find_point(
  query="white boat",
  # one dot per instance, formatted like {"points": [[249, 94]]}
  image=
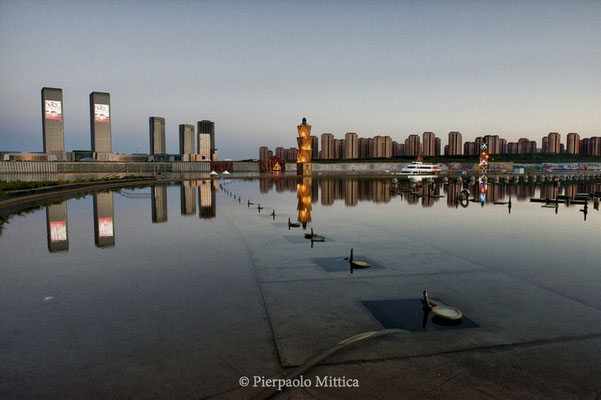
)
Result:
{"points": [[419, 168]]}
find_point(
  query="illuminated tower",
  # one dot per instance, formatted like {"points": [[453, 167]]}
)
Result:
{"points": [[100, 122], [303, 166], [52, 120]]}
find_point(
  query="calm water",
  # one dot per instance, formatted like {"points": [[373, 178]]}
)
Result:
{"points": [[120, 292]]}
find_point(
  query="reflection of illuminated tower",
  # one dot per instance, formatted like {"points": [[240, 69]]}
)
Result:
{"points": [[304, 189], [104, 234], [56, 227], [303, 166], [159, 203], [206, 199], [188, 198]]}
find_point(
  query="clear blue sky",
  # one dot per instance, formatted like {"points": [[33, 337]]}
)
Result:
{"points": [[512, 68]]}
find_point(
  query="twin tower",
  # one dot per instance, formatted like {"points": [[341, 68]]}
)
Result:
{"points": [[100, 129], [53, 128]]}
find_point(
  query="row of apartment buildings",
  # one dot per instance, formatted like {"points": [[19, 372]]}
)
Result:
{"points": [[355, 147]]}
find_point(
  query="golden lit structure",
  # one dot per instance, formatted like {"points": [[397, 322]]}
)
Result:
{"points": [[303, 166]]}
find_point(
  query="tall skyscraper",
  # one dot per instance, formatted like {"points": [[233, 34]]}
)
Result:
{"points": [[157, 135], [437, 147], [206, 133], [186, 139], [429, 144], [554, 142], [100, 121], [573, 143], [53, 130], [351, 145], [327, 146], [455, 143]]}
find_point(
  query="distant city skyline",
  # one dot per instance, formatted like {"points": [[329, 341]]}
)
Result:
{"points": [[517, 70]]}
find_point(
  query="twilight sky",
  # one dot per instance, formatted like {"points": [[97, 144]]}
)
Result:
{"points": [[512, 68]]}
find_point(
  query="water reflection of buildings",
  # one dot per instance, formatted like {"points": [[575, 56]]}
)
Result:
{"points": [[56, 227], [187, 198], [159, 203], [206, 198], [104, 233], [353, 190]]}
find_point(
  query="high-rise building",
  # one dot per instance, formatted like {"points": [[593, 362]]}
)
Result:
{"points": [[514, 147], [263, 153], [371, 147], [157, 135], [594, 146], [206, 140], [554, 142], [56, 227], [282, 153], [338, 149], [429, 144], [206, 131], [186, 139], [292, 154], [413, 146], [573, 143], [363, 148], [159, 203], [437, 147], [327, 146], [100, 122], [469, 149], [314, 148], [455, 143], [494, 144], [351, 145], [53, 130], [503, 146], [387, 147], [545, 148], [522, 146]]}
